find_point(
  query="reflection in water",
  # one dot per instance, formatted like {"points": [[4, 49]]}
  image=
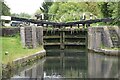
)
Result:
{"points": [[68, 65], [100, 66], [28, 72]]}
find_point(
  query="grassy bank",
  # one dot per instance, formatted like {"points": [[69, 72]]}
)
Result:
{"points": [[13, 46]]}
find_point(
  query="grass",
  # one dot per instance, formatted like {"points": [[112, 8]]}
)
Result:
{"points": [[0, 52], [103, 47], [7, 27], [13, 46], [111, 48]]}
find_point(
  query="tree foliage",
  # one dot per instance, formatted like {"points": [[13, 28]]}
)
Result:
{"points": [[45, 8], [38, 11], [105, 9], [5, 9], [69, 11], [110, 9], [21, 15]]}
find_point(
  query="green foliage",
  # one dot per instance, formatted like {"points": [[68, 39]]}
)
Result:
{"points": [[105, 9], [15, 15], [118, 13], [0, 7], [24, 15], [5, 9], [110, 9], [90, 7], [38, 11], [21, 15], [45, 8], [53, 9], [70, 11]]}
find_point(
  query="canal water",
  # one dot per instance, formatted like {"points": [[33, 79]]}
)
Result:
{"points": [[70, 66]]}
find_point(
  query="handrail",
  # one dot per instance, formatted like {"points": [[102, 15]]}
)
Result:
{"points": [[62, 23]]}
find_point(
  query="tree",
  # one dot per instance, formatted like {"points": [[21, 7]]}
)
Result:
{"points": [[21, 15], [5, 9], [71, 11], [38, 11], [0, 8], [110, 9], [105, 9], [92, 7], [15, 15], [45, 8], [116, 12], [24, 15]]}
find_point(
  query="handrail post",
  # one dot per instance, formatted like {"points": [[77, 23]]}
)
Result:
{"points": [[78, 26]]}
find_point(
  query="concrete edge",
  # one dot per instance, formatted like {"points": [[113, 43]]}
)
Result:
{"points": [[23, 62], [26, 59], [107, 52]]}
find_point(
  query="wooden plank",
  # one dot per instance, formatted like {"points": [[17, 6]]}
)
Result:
{"points": [[52, 43], [60, 24], [74, 43]]}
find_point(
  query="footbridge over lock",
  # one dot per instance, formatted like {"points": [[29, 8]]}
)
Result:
{"points": [[64, 35]]}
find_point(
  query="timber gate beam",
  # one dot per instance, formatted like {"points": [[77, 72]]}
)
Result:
{"points": [[61, 24]]}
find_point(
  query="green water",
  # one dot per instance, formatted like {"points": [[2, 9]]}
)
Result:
{"points": [[70, 66]]}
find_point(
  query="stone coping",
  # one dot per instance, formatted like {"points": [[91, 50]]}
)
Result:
{"points": [[22, 62], [30, 57], [108, 52]]}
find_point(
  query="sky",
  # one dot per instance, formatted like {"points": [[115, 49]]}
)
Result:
{"points": [[27, 6]]}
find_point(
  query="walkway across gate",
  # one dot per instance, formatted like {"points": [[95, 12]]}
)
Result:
{"points": [[62, 24]]}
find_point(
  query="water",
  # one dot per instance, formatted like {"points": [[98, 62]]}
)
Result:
{"points": [[72, 65]]}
